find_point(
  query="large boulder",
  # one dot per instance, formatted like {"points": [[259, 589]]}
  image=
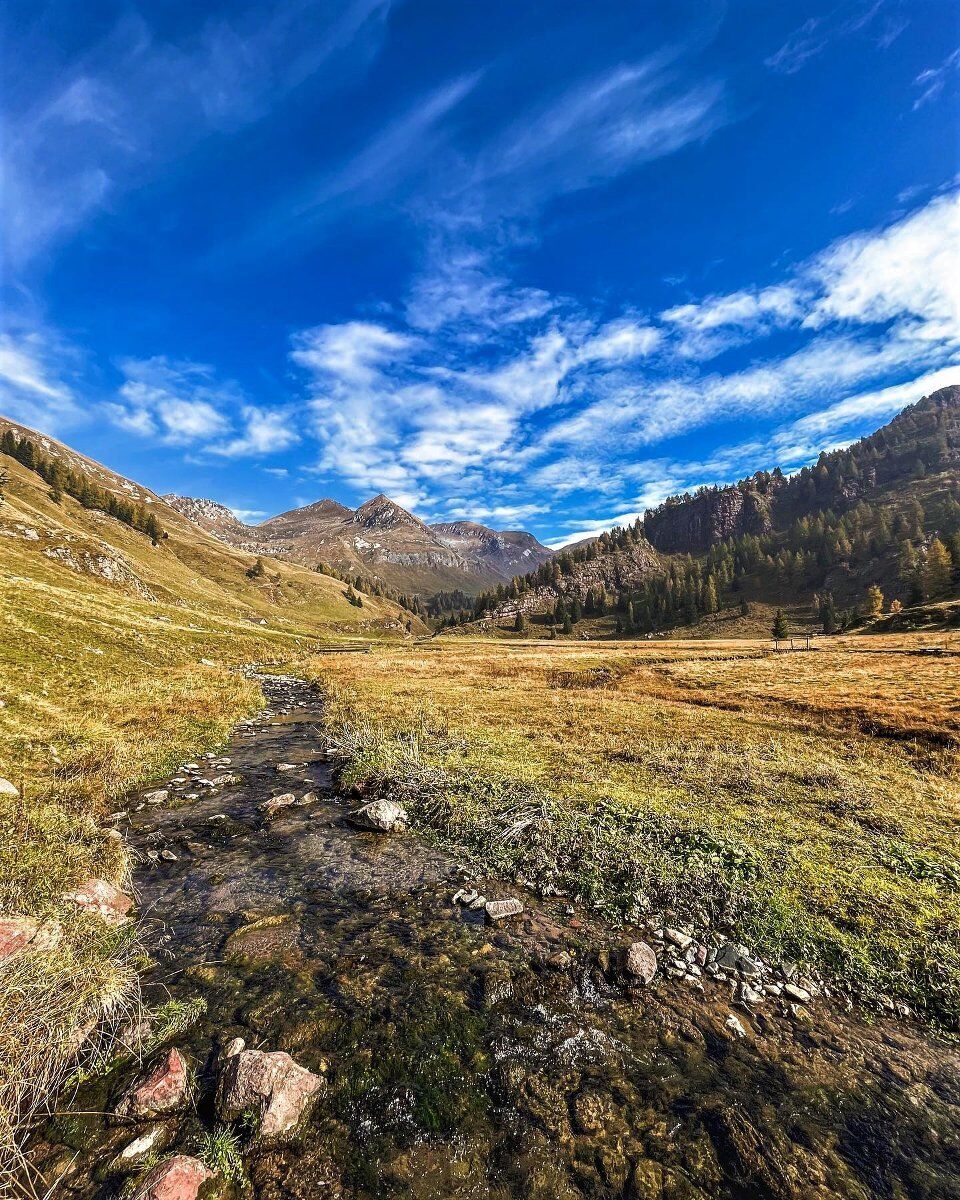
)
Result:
{"points": [[178, 1178], [640, 962], [163, 1088], [102, 898], [383, 816], [271, 1086]]}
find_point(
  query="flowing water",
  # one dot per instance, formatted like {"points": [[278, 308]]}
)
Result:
{"points": [[496, 1063]]}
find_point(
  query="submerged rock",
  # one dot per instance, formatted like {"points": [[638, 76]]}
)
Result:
{"points": [[275, 1089], [275, 803], [499, 910], [164, 1088], [383, 816], [178, 1178]]}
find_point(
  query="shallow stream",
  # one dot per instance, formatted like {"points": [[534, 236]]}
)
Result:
{"points": [[464, 1060]]}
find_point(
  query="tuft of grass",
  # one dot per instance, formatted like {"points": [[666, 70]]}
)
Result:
{"points": [[61, 1010], [221, 1149], [807, 803]]}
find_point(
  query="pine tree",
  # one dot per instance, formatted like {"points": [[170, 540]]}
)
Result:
{"points": [[874, 602], [828, 613], [937, 571], [520, 624], [567, 623], [780, 629]]}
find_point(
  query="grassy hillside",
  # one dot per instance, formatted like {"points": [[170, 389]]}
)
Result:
{"points": [[808, 803], [118, 661]]}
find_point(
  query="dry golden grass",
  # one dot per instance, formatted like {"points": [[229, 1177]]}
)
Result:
{"points": [[808, 802]]}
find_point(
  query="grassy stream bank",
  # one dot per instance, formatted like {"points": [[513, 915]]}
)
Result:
{"points": [[807, 804]]}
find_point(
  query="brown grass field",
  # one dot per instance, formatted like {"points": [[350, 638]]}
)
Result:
{"points": [[808, 802]]}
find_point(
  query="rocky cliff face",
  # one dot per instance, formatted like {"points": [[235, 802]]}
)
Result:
{"points": [[507, 553], [212, 517], [614, 570], [696, 524]]}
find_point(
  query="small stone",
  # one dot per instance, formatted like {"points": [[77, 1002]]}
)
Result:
{"points": [[168, 856], [795, 992], [8, 789], [308, 798], [157, 796], [749, 995], [641, 962], [477, 903], [286, 767], [382, 816], [735, 1025], [500, 910], [678, 939], [275, 803], [162, 1089], [141, 1146], [102, 898], [19, 933], [178, 1178]]}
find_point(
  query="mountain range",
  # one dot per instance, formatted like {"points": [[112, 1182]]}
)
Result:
{"points": [[883, 513], [380, 540]]}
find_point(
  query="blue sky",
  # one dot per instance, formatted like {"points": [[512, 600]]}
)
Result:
{"points": [[540, 264]]}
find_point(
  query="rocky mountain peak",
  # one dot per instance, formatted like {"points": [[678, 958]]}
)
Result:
{"points": [[383, 513]]}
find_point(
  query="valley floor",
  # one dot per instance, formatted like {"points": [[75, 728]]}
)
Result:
{"points": [[807, 802]]}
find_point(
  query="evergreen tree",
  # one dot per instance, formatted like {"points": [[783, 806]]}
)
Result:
{"points": [[828, 613], [780, 629], [937, 571], [874, 602], [520, 624]]}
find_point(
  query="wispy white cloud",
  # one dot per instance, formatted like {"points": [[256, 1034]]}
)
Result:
{"points": [[78, 135], [817, 34], [36, 379], [933, 80]]}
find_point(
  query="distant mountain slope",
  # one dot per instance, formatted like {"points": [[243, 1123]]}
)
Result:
{"points": [[884, 512], [381, 540], [50, 536], [924, 438]]}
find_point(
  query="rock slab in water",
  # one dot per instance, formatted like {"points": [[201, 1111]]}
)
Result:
{"points": [[275, 803], [499, 910], [178, 1178], [641, 962], [102, 898], [383, 816], [164, 1088], [272, 1086]]}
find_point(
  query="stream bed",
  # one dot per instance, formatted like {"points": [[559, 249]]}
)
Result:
{"points": [[463, 1059]]}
